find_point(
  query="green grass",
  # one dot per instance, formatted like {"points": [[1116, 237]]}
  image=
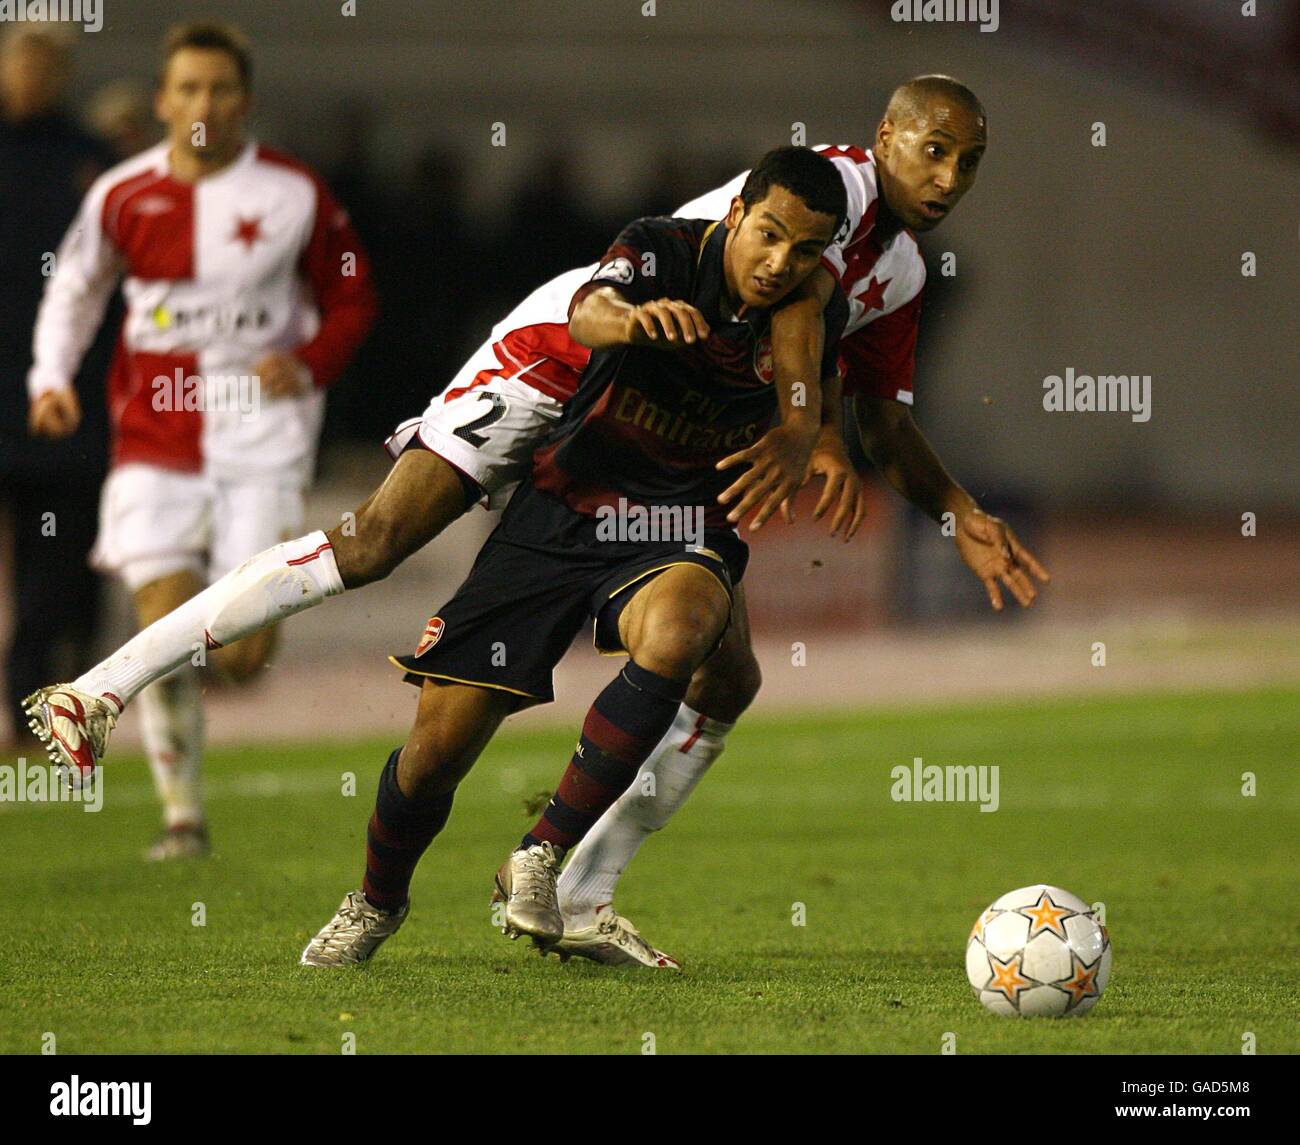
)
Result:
{"points": [[1135, 802]]}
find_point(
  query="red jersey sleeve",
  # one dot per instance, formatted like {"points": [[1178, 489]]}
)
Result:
{"points": [[343, 286], [879, 360]]}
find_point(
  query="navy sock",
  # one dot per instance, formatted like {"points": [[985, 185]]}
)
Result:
{"points": [[629, 717], [399, 831]]}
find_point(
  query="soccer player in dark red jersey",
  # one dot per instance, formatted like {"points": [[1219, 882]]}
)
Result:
{"points": [[675, 316]]}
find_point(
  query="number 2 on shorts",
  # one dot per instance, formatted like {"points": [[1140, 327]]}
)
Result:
{"points": [[467, 432]]}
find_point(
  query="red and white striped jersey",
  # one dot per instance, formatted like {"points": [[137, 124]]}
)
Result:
{"points": [[882, 281], [256, 258]]}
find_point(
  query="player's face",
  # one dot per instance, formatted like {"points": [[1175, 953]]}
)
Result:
{"points": [[202, 85], [929, 162], [773, 246]]}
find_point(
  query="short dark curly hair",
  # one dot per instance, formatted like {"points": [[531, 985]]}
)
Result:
{"points": [[802, 172]]}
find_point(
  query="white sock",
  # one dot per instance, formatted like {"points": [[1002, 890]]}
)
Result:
{"points": [[677, 763], [284, 579], [172, 728]]}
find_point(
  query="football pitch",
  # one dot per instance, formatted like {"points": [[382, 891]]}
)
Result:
{"points": [[1136, 802]]}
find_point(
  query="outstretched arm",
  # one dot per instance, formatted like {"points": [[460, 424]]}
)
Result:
{"points": [[778, 461], [894, 442]]}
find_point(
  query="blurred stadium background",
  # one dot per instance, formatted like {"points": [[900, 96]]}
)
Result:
{"points": [[1118, 259]]}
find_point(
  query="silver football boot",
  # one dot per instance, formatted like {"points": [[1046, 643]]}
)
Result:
{"points": [[526, 884], [354, 933]]}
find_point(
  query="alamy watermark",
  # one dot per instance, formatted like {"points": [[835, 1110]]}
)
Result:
{"points": [[1105, 393], [88, 13], [208, 393], [981, 12], [77, 1098], [42, 783], [930, 783], [641, 523]]}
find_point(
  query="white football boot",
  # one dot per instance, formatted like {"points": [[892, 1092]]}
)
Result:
{"points": [[613, 941], [526, 884], [355, 932], [74, 727]]}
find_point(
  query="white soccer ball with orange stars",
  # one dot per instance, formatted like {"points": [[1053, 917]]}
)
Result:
{"points": [[1038, 952]]}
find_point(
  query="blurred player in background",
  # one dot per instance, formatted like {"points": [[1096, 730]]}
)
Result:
{"points": [[247, 292], [48, 494], [121, 114]]}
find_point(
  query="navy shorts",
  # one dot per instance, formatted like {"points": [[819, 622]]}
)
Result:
{"points": [[520, 608]]}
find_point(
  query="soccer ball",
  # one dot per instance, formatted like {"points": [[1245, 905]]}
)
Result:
{"points": [[1038, 952]]}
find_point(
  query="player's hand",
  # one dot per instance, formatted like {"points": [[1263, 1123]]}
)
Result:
{"points": [[666, 323], [843, 487], [55, 414], [282, 376], [993, 553], [778, 464]]}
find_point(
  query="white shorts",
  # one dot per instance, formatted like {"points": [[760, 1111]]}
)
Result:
{"points": [[503, 401], [486, 423], [154, 522]]}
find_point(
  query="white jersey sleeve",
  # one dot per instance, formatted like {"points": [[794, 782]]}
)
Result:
{"points": [[87, 267], [712, 204], [715, 204]]}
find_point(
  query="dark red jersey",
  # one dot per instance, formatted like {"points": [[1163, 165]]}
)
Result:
{"points": [[650, 425]]}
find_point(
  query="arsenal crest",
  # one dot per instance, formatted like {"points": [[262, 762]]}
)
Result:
{"points": [[432, 633]]}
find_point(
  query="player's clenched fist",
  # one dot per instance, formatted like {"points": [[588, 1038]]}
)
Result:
{"points": [[55, 414], [667, 323], [283, 376]]}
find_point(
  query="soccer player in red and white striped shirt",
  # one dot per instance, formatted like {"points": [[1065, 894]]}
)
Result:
{"points": [[247, 292]]}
